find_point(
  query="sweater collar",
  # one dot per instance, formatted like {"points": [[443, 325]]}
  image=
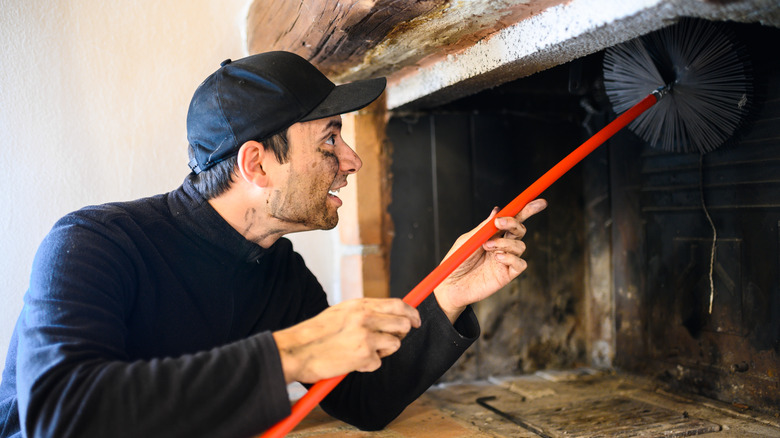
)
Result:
{"points": [[191, 209]]}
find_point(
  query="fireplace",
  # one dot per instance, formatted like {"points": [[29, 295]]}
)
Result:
{"points": [[617, 293], [610, 331]]}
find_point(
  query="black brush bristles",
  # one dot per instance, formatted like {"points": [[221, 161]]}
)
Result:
{"points": [[710, 77]]}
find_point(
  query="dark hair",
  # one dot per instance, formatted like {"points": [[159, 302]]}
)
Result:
{"points": [[217, 180], [279, 144]]}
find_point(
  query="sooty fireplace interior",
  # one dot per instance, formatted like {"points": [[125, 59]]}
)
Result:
{"points": [[620, 263]]}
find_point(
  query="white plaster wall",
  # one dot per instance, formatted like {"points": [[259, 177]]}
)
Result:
{"points": [[93, 101]]}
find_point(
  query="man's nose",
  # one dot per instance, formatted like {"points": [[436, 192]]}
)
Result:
{"points": [[349, 161]]}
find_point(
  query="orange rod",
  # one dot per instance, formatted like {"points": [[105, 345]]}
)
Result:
{"points": [[416, 296]]}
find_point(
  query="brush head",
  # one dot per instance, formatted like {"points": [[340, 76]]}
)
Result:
{"points": [[709, 77]]}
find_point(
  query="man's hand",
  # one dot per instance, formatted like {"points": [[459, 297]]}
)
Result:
{"points": [[491, 267], [350, 336]]}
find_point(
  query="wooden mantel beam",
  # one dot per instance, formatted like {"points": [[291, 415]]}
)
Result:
{"points": [[344, 37], [333, 34]]}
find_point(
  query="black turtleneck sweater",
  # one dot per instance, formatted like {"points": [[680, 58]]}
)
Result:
{"points": [[153, 318]]}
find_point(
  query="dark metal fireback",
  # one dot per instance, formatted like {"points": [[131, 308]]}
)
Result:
{"points": [[666, 271]]}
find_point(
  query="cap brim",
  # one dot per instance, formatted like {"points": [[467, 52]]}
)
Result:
{"points": [[348, 97]]}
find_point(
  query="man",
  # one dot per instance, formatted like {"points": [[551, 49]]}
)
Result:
{"points": [[187, 313]]}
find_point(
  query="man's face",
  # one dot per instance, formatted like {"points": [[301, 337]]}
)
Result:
{"points": [[319, 162]]}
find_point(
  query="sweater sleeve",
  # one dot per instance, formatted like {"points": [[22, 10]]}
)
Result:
{"points": [[370, 401], [74, 378]]}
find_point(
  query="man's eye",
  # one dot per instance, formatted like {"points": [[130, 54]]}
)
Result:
{"points": [[331, 140]]}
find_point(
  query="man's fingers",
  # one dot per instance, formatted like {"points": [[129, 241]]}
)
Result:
{"points": [[396, 326], [386, 344], [516, 265], [513, 227], [381, 345], [393, 307], [531, 209]]}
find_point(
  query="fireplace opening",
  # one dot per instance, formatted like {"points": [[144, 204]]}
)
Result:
{"points": [[450, 166], [619, 264]]}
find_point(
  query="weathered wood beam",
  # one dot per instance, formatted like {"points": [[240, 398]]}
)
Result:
{"points": [[355, 39], [333, 34]]}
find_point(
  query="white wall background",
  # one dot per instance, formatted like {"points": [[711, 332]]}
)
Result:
{"points": [[93, 104]]}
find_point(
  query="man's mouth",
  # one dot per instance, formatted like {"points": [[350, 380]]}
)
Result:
{"points": [[333, 195]]}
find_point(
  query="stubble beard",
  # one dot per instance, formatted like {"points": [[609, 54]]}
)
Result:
{"points": [[304, 207]]}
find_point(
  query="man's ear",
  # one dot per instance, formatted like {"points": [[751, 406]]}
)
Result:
{"points": [[252, 161]]}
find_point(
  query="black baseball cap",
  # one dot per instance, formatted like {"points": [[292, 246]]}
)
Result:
{"points": [[255, 97]]}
